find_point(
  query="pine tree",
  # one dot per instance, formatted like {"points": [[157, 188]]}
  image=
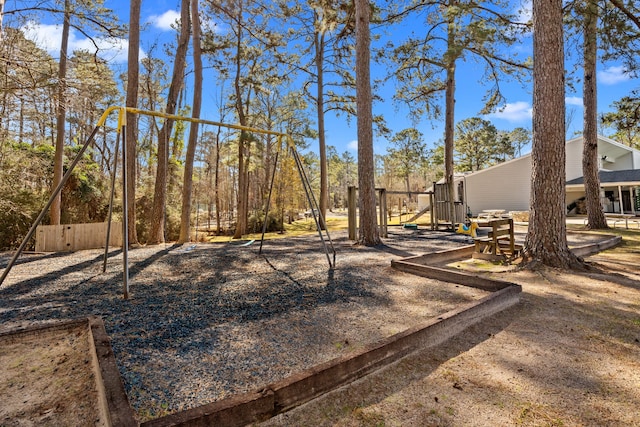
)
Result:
{"points": [[546, 240]]}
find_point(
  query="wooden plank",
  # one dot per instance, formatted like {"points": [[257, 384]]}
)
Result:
{"points": [[75, 237]]}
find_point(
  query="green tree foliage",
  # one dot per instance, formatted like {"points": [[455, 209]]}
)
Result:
{"points": [[518, 139], [326, 63], [26, 99], [479, 144], [476, 144], [606, 32], [425, 63], [625, 120], [342, 174], [245, 53], [92, 89], [25, 178], [407, 154], [481, 32]]}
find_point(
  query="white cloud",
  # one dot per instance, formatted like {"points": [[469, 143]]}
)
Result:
{"points": [[49, 38], [574, 100], [166, 21], [353, 145], [516, 112], [613, 75], [525, 12]]}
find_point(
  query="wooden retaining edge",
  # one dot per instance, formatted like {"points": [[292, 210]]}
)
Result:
{"points": [[113, 402], [118, 408], [417, 265], [593, 248], [309, 384]]}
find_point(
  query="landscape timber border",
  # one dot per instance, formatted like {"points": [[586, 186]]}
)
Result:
{"points": [[309, 384]]}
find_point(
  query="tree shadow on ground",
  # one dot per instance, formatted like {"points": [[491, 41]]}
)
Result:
{"points": [[346, 403]]}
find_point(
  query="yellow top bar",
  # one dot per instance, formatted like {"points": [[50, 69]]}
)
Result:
{"points": [[122, 121]]}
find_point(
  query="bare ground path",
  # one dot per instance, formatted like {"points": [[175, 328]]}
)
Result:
{"points": [[567, 355]]}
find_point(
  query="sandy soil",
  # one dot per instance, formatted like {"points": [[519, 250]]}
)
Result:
{"points": [[567, 355], [47, 380]]}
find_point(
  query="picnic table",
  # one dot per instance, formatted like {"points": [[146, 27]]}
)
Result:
{"points": [[491, 213], [618, 217], [623, 218], [500, 244]]}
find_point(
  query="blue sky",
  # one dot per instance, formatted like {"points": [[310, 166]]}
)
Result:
{"points": [[157, 17]]}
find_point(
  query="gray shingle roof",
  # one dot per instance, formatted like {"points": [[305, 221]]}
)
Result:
{"points": [[624, 176]]}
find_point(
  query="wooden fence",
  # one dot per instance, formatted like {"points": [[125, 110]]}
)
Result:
{"points": [[75, 237]]}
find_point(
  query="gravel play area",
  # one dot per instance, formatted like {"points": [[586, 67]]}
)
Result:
{"points": [[208, 321]]}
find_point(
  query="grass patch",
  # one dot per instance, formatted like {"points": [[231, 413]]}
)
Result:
{"points": [[301, 227]]}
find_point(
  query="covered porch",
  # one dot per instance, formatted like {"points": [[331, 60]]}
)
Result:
{"points": [[619, 192]]}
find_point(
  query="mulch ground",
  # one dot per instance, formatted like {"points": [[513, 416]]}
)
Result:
{"points": [[205, 322]]}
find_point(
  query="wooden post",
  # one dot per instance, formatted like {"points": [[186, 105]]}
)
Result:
{"points": [[620, 199], [432, 201], [382, 196], [434, 213], [351, 212]]}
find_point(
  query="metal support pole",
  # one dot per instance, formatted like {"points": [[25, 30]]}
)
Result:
{"points": [[314, 207], [109, 216], [620, 199], [125, 217]]}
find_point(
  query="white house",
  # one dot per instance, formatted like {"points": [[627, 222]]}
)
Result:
{"points": [[507, 186]]}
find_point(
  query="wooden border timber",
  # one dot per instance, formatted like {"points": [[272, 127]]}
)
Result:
{"points": [[304, 386]]}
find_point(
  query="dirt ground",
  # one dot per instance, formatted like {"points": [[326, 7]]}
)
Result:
{"points": [[567, 355], [47, 379]]}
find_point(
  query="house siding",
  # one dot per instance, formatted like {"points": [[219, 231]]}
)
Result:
{"points": [[622, 163], [505, 186], [508, 185], [574, 159]]}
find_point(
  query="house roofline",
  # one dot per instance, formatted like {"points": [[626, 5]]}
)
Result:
{"points": [[606, 184], [572, 140]]}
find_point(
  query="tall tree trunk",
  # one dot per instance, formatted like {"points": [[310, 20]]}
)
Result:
{"points": [[185, 220], [369, 234], [61, 118], [241, 218], [324, 175], [546, 240], [216, 184], [133, 68], [590, 160], [449, 120], [156, 234]]}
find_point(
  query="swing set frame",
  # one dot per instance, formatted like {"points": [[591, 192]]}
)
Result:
{"points": [[121, 127]]}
